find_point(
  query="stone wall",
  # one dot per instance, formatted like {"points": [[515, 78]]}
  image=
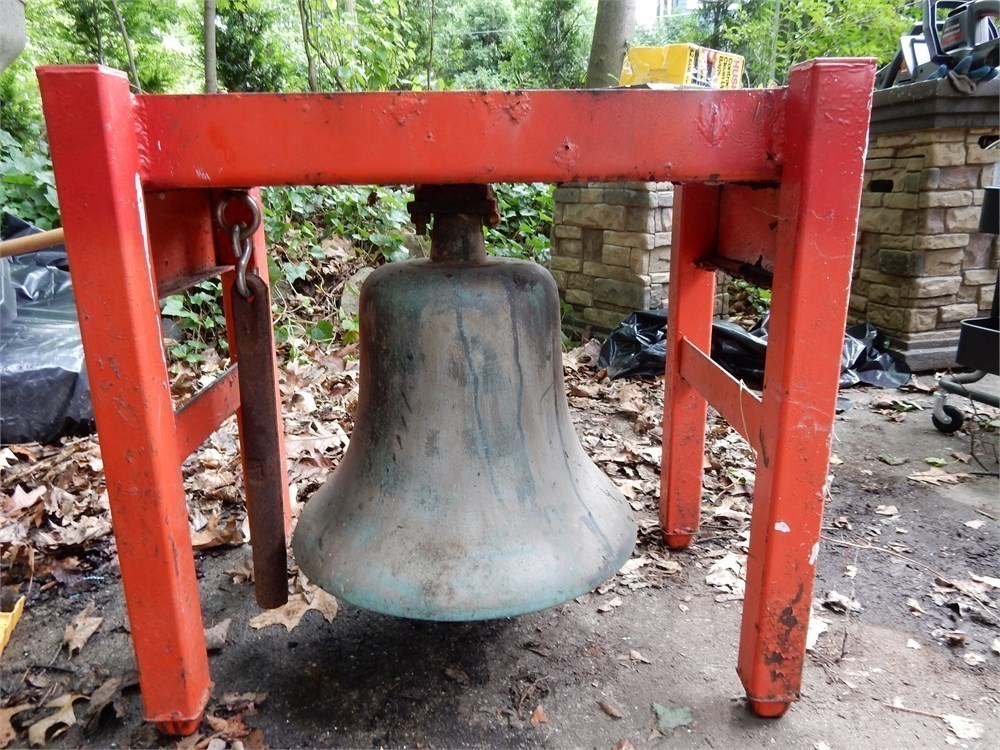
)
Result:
{"points": [[921, 265], [611, 248]]}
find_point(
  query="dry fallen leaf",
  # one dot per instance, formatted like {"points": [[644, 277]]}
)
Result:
{"points": [[633, 564], [973, 658], [61, 720], [241, 702], [215, 636], [79, 631], [323, 602], [817, 626], [964, 729], [20, 500], [910, 643], [886, 510], [288, 614], [216, 534], [242, 573], [990, 581], [538, 716], [7, 731], [109, 694], [610, 710], [230, 729], [840, 603], [623, 745], [610, 604], [635, 656], [298, 604], [975, 523], [937, 476]]}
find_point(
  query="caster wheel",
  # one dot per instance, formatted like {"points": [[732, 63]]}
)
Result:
{"points": [[955, 420]]}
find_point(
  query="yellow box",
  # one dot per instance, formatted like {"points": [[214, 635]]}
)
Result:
{"points": [[683, 64]]}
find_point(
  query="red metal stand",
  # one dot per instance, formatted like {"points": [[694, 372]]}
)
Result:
{"points": [[770, 178]]}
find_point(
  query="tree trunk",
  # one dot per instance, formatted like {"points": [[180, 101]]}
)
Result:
{"points": [[305, 14], [211, 69], [97, 33], [128, 46], [613, 31], [430, 50], [775, 31]]}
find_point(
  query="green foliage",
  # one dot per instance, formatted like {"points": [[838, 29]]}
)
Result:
{"points": [[773, 35], [366, 45], [27, 185], [668, 30], [48, 30], [525, 221], [250, 55], [198, 313], [748, 297], [351, 326], [551, 48], [713, 18], [373, 218], [470, 42], [96, 37]]}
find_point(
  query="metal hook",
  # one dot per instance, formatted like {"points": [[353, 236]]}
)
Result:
{"points": [[240, 235], [247, 230]]}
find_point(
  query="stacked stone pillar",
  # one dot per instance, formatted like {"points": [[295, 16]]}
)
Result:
{"points": [[921, 265], [611, 248]]}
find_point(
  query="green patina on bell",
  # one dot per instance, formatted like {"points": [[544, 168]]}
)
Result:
{"points": [[464, 493]]}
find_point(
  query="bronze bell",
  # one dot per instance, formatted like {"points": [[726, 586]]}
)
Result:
{"points": [[464, 493]]}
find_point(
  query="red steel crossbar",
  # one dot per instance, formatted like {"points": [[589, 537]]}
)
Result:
{"points": [[768, 178]]}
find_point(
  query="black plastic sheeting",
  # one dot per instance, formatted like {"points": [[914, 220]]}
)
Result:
{"points": [[44, 393], [637, 347]]}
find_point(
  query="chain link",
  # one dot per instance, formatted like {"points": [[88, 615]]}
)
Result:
{"points": [[240, 235]]}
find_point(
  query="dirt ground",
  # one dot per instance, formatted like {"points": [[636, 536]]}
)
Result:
{"points": [[917, 559]]}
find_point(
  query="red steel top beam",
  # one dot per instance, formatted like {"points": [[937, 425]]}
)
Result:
{"points": [[457, 136], [240, 140]]}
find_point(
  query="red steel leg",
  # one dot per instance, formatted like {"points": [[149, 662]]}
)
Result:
{"points": [[92, 134], [820, 192], [689, 316]]}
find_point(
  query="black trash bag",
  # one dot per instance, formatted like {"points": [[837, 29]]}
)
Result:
{"points": [[866, 360], [637, 347], [739, 351], [863, 359], [44, 392]]}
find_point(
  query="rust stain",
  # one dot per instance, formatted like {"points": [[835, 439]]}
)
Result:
{"points": [[715, 120], [405, 108], [566, 154], [518, 109]]}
